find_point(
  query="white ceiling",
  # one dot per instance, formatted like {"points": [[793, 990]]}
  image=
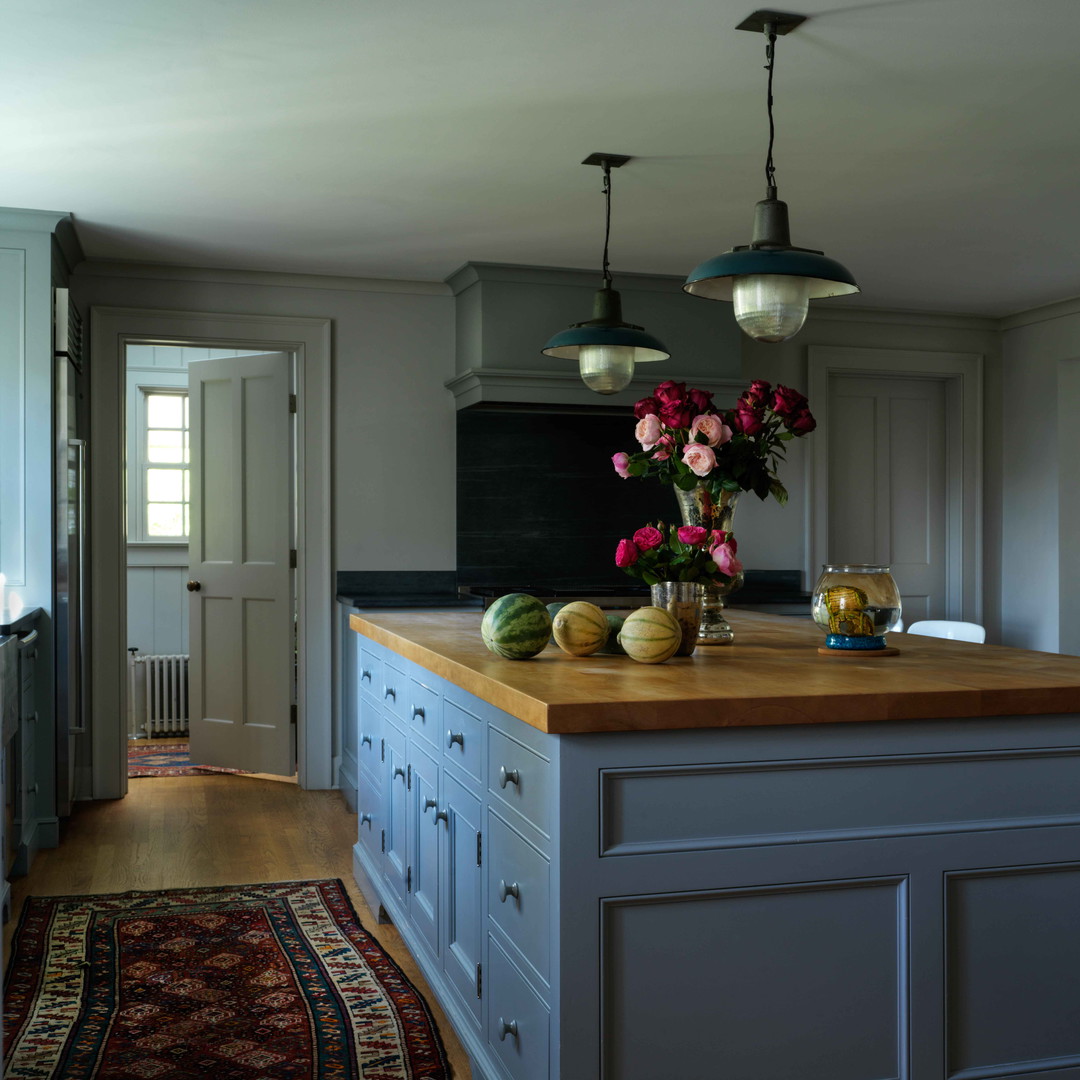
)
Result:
{"points": [[932, 146]]}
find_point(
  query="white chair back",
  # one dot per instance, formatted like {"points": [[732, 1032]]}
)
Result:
{"points": [[948, 628]]}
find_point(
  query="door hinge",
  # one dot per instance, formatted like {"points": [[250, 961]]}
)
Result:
{"points": [[479, 850], [479, 980], [408, 777], [382, 749], [383, 841], [292, 713], [408, 880], [292, 558], [292, 403]]}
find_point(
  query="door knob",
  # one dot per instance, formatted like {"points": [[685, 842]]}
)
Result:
{"points": [[507, 1027], [194, 586], [508, 776], [508, 890], [455, 737]]}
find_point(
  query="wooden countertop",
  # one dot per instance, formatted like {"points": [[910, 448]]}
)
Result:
{"points": [[773, 674]]}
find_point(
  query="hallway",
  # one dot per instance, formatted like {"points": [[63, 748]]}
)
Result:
{"points": [[173, 832]]}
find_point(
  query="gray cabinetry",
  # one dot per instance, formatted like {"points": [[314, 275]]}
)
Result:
{"points": [[832, 902]]}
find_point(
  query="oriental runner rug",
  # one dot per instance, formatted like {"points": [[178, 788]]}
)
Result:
{"points": [[245, 982], [166, 759]]}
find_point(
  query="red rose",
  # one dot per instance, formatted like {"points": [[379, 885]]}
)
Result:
{"points": [[802, 424], [626, 554], [759, 393], [648, 538], [700, 399], [749, 419], [693, 534], [787, 402], [669, 391], [718, 537], [677, 414], [647, 406]]}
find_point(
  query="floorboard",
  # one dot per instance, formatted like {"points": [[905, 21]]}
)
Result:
{"points": [[221, 829]]}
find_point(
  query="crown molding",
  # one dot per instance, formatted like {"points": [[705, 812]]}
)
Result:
{"points": [[472, 272], [105, 268], [12, 217], [1048, 312]]}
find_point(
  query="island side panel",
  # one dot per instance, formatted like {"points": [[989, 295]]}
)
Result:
{"points": [[784, 900]]}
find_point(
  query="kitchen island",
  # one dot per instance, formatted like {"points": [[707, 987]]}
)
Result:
{"points": [[755, 862]]}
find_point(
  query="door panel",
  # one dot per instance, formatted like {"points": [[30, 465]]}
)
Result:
{"points": [[463, 901], [396, 801], [242, 625], [426, 834], [888, 483]]}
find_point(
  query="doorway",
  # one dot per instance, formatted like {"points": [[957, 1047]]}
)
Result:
{"points": [[308, 342]]}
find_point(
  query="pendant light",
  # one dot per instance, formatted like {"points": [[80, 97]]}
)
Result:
{"points": [[770, 282], [605, 347]]}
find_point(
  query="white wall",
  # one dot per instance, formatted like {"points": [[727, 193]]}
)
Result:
{"points": [[394, 479]]}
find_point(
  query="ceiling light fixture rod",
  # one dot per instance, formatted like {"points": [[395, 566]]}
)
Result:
{"points": [[607, 162]]}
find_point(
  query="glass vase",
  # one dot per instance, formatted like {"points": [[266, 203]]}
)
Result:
{"points": [[683, 600], [856, 604], [699, 507]]}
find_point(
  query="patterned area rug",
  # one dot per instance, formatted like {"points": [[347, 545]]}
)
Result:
{"points": [[260, 982], [166, 759]]}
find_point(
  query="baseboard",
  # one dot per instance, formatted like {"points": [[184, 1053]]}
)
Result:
{"points": [[48, 832], [346, 778]]}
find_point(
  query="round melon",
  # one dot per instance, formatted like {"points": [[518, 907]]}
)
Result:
{"points": [[553, 610], [516, 626], [650, 635], [615, 624], [580, 628]]}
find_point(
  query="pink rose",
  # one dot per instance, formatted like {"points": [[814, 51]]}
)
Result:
{"points": [[802, 424], [648, 432], [626, 554], [647, 406], [677, 414], [718, 537], [693, 534], [700, 399], [648, 538], [699, 458], [748, 418], [621, 460], [726, 560], [712, 427], [665, 446], [759, 393], [787, 402], [669, 391]]}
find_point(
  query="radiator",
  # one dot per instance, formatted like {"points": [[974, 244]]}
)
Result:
{"points": [[159, 695]]}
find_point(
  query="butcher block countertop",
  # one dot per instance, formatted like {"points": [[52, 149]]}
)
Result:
{"points": [[773, 674]]}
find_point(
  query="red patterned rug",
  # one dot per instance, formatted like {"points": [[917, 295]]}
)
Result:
{"points": [[166, 759], [259, 982]]}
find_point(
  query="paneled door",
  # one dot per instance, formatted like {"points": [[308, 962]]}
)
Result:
{"points": [[241, 589], [889, 483]]}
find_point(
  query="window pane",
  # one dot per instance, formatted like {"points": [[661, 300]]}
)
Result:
{"points": [[165, 410], [187, 520], [164, 445], [165, 485], [164, 519], [187, 445]]}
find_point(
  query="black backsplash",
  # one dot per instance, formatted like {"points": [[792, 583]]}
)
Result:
{"points": [[538, 500]]}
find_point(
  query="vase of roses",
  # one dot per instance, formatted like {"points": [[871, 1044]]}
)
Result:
{"points": [[678, 564], [711, 456]]}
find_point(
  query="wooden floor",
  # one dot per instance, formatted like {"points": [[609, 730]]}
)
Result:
{"points": [[181, 831]]}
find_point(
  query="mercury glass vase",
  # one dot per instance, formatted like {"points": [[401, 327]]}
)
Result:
{"points": [[856, 604], [683, 600], [698, 507]]}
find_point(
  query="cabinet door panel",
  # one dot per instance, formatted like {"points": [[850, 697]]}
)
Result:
{"points": [[395, 803], [369, 810], [461, 954], [425, 831], [517, 1021]]}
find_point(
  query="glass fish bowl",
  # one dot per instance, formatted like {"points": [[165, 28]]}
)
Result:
{"points": [[856, 605]]}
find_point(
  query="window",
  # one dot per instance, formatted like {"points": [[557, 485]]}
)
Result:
{"points": [[164, 456]]}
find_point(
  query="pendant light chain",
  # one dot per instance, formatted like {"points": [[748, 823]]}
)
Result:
{"points": [[607, 222], [770, 169]]}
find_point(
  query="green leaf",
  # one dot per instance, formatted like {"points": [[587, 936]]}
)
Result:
{"points": [[778, 492], [650, 579], [636, 468], [687, 482]]}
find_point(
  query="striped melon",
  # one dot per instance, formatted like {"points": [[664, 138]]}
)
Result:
{"points": [[516, 626], [553, 609], [650, 635], [615, 624], [580, 628]]}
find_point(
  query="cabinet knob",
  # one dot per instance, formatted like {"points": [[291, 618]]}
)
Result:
{"points": [[365, 819], [417, 710], [507, 1027], [455, 737], [440, 815], [365, 674], [194, 586], [32, 789], [508, 776], [428, 804], [398, 771], [390, 692], [508, 890], [365, 739]]}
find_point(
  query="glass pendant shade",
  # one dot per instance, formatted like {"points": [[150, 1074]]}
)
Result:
{"points": [[770, 307], [606, 369]]}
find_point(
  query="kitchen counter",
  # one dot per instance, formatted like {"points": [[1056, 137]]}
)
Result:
{"points": [[773, 674]]}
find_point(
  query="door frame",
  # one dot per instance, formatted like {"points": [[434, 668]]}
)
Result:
{"points": [[962, 374], [308, 341]]}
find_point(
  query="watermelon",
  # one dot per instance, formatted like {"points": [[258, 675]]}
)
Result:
{"points": [[516, 626], [553, 610], [650, 635], [615, 625], [580, 628]]}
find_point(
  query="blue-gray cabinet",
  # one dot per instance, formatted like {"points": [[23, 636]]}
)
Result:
{"points": [[823, 901]]}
